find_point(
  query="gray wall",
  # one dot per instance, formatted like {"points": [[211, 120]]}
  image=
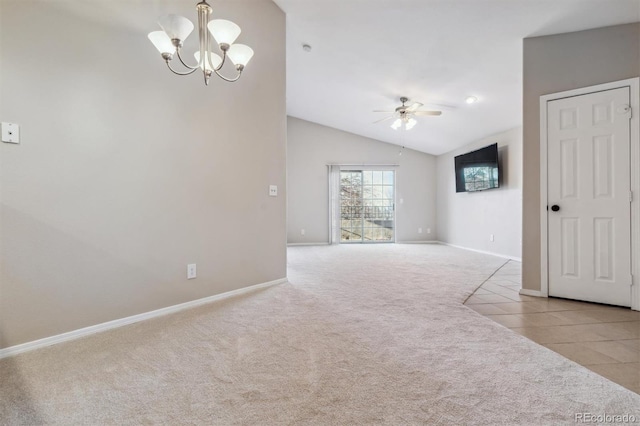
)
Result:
{"points": [[310, 147], [126, 173], [467, 219], [554, 64]]}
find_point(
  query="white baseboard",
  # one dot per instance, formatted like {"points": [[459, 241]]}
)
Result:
{"points": [[534, 293], [397, 242], [504, 256], [76, 334]]}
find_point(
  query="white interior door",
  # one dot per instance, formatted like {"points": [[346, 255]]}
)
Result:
{"points": [[589, 211]]}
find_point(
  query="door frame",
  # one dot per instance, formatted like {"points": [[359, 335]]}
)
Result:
{"points": [[361, 168], [634, 87]]}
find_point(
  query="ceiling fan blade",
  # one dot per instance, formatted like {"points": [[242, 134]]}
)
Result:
{"points": [[384, 119], [414, 107], [380, 110], [441, 106], [427, 113]]}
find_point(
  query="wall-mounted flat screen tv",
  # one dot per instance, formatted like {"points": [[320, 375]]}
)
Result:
{"points": [[478, 170]]}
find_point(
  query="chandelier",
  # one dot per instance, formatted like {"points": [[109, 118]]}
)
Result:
{"points": [[177, 28]]}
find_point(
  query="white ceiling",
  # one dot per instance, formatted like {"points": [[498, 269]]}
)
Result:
{"points": [[367, 53]]}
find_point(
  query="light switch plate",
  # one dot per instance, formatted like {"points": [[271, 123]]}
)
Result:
{"points": [[10, 133], [273, 190]]}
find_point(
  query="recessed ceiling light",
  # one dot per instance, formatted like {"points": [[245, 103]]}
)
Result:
{"points": [[471, 99], [306, 48]]}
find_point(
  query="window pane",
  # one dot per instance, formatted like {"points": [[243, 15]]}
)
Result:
{"points": [[368, 234], [377, 178], [356, 179], [388, 192], [366, 177], [387, 178]]}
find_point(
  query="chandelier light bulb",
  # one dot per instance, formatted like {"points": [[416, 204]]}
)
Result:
{"points": [[161, 41], [396, 124], [240, 54], [225, 32], [215, 59], [471, 99], [177, 27], [410, 123]]}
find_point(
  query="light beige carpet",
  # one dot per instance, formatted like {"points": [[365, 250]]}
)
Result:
{"points": [[371, 334]]}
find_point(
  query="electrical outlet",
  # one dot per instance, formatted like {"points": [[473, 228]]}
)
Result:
{"points": [[273, 190], [302, 231], [419, 230], [191, 271], [491, 237]]}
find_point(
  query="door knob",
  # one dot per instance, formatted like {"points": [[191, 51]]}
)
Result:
{"points": [[555, 207]]}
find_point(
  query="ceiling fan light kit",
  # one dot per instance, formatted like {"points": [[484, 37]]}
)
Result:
{"points": [[404, 115], [176, 29], [408, 123]]}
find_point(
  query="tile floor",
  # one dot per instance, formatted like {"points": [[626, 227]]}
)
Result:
{"points": [[605, 339]]}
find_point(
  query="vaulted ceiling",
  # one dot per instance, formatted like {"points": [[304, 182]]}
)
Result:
{"points": [[366, 54]]}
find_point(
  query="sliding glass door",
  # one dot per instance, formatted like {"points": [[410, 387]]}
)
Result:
{"points": [[367, 208]]}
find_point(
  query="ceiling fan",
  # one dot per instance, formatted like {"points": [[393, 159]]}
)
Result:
{"points": [[404, 115]]}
